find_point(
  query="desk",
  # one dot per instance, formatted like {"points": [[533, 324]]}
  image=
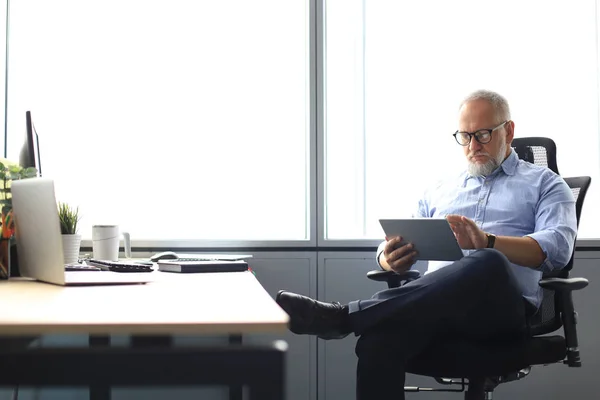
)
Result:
{"points": [[174, 304]]}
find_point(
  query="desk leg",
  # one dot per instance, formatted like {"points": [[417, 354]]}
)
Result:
{"points": [[235, 391], [99, 392], [273, 387]]}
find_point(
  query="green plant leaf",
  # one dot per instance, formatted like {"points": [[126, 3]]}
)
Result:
{"points": [[29, 172], [69, 218], [15, 169]]}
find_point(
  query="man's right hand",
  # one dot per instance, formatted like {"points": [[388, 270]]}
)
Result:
{"points": [[396, 256]]}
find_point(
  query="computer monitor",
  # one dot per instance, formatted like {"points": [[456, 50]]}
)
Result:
{"points": [[30, 152]]}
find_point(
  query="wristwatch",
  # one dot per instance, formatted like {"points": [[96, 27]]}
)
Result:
{"points": [[491, 240]]}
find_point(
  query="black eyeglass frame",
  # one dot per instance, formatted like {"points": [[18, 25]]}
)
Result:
{"points": [[478, 134]]}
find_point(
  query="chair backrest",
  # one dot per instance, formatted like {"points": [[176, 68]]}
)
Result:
{"points": [[542, 151], [537, 150], [579, 186]]}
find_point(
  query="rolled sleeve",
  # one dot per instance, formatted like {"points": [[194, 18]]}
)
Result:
{"points": [[556, 225]]}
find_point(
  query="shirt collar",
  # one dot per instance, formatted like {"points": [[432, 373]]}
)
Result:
{"points": [[509, 166]]}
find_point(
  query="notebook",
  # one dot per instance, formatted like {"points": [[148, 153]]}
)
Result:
{"points": [[202, 266]]}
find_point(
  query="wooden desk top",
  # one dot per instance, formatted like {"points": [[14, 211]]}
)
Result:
{"points": [[207, 303]]}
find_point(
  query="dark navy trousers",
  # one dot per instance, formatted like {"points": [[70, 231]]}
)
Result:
{"points": [[476, 297]]}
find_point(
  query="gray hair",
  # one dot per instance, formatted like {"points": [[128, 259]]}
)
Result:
{"points": [[496, 100]]}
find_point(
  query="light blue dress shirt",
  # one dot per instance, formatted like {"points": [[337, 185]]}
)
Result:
{"points": [[517, 199]]}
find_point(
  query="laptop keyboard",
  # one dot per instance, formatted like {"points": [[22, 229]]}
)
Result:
{"points": [[119, 266]]}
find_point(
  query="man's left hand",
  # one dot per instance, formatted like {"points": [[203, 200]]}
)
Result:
{"points": [[468, 235]]}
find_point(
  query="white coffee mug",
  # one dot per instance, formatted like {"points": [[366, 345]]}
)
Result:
{"points": [[105, 242]]}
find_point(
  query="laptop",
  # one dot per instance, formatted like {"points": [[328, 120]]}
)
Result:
{"points": [[39, 241], [432, 237]]}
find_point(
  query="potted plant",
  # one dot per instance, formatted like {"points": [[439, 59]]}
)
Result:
{"points": [[9, 171], [71, 240]]}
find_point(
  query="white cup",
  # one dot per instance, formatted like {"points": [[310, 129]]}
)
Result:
{"points": [[105, 242]]}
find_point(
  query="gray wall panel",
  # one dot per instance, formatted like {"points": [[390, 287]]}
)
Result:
{"points": [[342, 277], [295, 272]]}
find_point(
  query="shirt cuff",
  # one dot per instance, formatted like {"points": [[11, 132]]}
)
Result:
{"points": [[377, 259], [379, 251]]}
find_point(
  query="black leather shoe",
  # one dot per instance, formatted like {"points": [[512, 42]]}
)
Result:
{"points": [[312, 317]]}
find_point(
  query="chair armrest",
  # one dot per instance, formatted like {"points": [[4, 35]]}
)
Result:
{"points": [[564, 300], [564, 284], [392, 278]]}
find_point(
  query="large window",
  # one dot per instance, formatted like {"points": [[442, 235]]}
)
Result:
{"points": [[191, 121], [396, 72], [178, 120]]}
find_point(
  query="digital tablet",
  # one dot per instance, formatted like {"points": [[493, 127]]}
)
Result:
{"points": [[432, 237]]}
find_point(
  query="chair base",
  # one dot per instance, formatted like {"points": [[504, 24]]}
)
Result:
{"points": [[476, 388]]}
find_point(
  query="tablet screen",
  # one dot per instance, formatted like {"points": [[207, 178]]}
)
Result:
{"points": [[432, 238]]}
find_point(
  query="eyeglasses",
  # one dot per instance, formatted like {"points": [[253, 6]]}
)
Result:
{"points": [[483, 136]]}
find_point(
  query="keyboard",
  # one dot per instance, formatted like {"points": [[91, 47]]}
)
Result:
{"points": [[81, 267], [119, 266]]}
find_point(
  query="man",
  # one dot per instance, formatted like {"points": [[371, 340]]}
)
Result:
{"points": [[513, 221]]}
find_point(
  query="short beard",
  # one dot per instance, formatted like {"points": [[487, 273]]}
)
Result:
{"points": [[483, 170]]}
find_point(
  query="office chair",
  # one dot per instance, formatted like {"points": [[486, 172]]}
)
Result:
{"points": [[480, 367]]}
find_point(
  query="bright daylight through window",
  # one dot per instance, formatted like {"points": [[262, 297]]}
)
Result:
{"points": [[396, 72], [186, 121]]}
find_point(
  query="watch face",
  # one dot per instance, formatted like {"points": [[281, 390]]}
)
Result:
{"points": [[491, 240]]}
